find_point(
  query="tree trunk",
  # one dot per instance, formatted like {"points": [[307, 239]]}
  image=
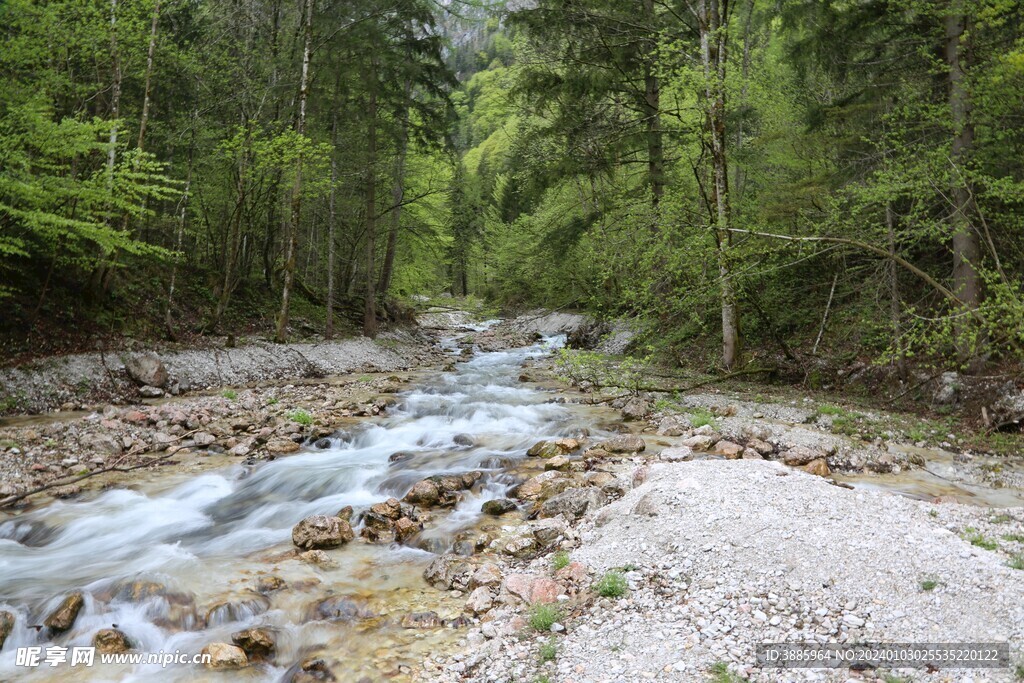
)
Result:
{"points": [[332, 218], [115, 93], [370, 309], [713, 38], [168, 318], [966, 245], [291, 238], [397, 195], [652, 114]]}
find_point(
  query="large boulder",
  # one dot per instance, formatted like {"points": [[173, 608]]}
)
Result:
{"points": [[449, 571], [146, 369], [441, 490], [343, 608], [321, 531], [574, 503], [498, 506], [543, 486], [731, 451], [63, 618], [225, 656], [636, 409], [798, 456], [544, 449]]}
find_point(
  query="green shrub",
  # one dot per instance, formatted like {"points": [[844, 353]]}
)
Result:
{"points": [[1017, 562], [702, 416], [976, 538], [301, 416], [229, 394], [548, 651], [929, 583], [560, 560], [720, 674], [543, 616], [611, 585]]}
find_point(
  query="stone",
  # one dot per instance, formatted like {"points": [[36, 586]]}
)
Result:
{"points": [[146, 369], [731, 451], [559, 463], [421, 620], [948, 391], [549, 530], [543, 485], [269, 583], [673, 425], [751, 454], [624, 443], [279, 446], [465, 440], [101, 443], [676, 454], [567, 445], [801, 455], [425, 493], [312, 671], [636, 409], [699, 442], [203, 439], [150, 392], [63, 618], [405, 529], [449, 571], [761, 446], [574, 503], [225, 656], [343, 608], [533, 589], [498, 506], [321, 531], [480, 600], [319, 558], [485, 575], [110, 641], [819, 467], [7, 620], [544, 449], [574, 572], [258, 643], [400, 456]]}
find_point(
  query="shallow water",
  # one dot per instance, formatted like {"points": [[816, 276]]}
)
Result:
{"points": [[203, 541]]}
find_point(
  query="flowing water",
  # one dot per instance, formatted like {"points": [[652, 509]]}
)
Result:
{"points": [[174, 565]]}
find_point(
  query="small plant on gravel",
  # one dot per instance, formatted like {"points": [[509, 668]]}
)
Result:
{"points": [[229, 394], [543, 616], [611, 585], [272, 401], [548, 651], [702, 416], [560, 560], [1014, 538], [933, 513], [929, 583], [976, 538], [720, 674], [629, 567], [301, 416], [1001, 519], [1017, 562], [1018, 672], [542, 679], [893, 678]]}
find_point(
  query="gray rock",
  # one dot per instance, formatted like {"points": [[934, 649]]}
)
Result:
{"points": [[574, 503], [146, 369], [321, 531], [625, 443]]}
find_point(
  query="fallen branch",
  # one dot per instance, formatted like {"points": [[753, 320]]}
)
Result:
{"points": [[11, 500]]}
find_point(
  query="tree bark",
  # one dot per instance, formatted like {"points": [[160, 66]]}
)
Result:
{"points": [[370, 302], [332, 218], [652, 113], [397, 194], [966, 245], [291, 238]]}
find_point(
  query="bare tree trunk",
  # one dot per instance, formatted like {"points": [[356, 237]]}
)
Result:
{"points": [[296, 201], [397, 195], [652, 114], [115, 93], [332, 218], [966, 246], [713, 37], [144, 119], [370, 309], [180, 237]]}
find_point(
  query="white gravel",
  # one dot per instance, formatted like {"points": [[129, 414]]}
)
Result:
{"points": [[729, 554]]}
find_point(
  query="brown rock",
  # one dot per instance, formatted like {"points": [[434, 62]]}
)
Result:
{"points": [[6, 626], [762, 447], [282, 446], [405, 528], [801, 455], [624, 443], [731, 451], [269, 583], [63, 618], [480, 600], [699, 442], [224, 656], [544, 449], [425, 493], [111, 641], [321, 531], [258, 643], [819, 467]]}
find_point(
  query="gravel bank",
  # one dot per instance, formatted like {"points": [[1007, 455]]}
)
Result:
{"points": [[722, 555]]}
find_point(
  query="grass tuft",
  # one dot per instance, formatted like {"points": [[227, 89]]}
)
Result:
{"points": [[301, 416], [543, 616], [560, 560], [611, 585]]}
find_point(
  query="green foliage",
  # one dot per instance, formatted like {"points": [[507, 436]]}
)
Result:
{"points": [[720, 674], [976, 538], [560, 560], [611, 585], [301, 416], [1017, 561], [542, 616], [700, 417], [929, 583], [229, 394], [548, 651]]}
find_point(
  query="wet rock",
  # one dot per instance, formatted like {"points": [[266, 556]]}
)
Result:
{"points": [[574, 503], [731, 451], [343, 608], [111, 641], [322, 443], [321, 531], [146, 369], [225, 656], [345, 513], [309, 671], [544, 449], [801, 455], [406, 528], [568, 445], [421, 620], [319, 558], [237, 609], [441, 490], [63, 618], [269, 584], [7, 620], [463, 440], [382, 516], [625, 443], [426, 493], [486, 575], [636, 409], [400, 456], [543, 486], [258, 643], [819, 467], [676, 454], [480, 600], [498, 506], [449, 571], [560, 463]]}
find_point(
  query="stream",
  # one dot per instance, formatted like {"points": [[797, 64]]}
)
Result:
{"points": [[174, 564]]}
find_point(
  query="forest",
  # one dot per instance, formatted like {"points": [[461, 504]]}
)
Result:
{"points": [[743, 178]]}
